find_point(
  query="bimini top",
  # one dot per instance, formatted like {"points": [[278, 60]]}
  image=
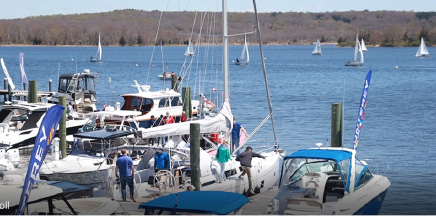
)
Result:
{"points": [[322, 153], [103, 134], [199, 202]]}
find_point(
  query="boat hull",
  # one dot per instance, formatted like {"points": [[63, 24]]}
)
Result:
{"points": [[373, 207]]}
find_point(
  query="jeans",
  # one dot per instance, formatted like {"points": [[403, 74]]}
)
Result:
{"points": [[223, 168], [129, 181], [235, 143]]}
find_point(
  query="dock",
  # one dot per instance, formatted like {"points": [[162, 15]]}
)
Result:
{"points": [[258, 204]]}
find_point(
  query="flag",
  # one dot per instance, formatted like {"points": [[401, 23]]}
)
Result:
{"points": [[362, 108], [43, 139], [23, 73], [214, 89], [7, 74]]}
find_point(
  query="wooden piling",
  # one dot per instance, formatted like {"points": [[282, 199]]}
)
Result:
{"points": [[337, 125], [50, 82], [175, 82], [63, 128], [32, 94], [5, 84], [9, 93], [187, 105], [195, 154]]}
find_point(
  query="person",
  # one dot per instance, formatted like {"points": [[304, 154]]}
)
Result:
{"points": [[125, 166], [168, 118], [189, 188], [70, 110], [237, 60], [183, 118], [222, 156], [158, 122], [161, 160], [245, 159], [151, 123], [236, 134]]}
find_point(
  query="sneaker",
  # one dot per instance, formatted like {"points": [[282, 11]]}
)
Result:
{"points": [[251, 193], [241, 177], [133, 199]]}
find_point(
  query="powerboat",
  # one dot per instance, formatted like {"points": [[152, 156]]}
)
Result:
{"points": [[328, 180]]}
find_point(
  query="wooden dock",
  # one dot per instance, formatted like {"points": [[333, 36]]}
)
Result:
{"points": [[258, 204]]}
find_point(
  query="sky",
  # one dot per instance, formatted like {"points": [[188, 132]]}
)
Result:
{"points": [[26, 8]]}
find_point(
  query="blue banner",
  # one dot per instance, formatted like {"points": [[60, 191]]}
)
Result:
{"points": [[46, 133], [362, 109]]}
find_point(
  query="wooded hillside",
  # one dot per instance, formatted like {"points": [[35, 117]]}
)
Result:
{"points": [[135, 27]]}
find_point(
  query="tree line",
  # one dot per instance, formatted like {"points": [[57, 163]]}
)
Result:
{"points": [[138, 28]]}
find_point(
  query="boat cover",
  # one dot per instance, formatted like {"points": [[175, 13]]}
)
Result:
{"points": [[103, 134], [203, 202]]}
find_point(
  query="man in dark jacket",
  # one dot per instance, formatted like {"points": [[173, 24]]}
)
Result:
{"points": [[245, 159]]}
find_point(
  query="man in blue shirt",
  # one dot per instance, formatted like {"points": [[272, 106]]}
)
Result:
{"points": [[125, 166], [161, 160], [236, 135]]}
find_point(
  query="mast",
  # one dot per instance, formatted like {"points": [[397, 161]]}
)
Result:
{"points": [[225, 54]]}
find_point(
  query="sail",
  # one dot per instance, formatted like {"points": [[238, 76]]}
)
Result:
{"points": [[363, 46], [189, 50], [317, 50], [356, 48], [362, 108], [7, 74], [23, 73], [245, 52], [99, 51], [422, 50], [220, 123]]}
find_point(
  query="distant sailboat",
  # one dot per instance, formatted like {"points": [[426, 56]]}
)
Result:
{"points": [[317, 50], [99, 52], [357, 49], [422, 50], [244, 59], [363, 46], [189, 50]]}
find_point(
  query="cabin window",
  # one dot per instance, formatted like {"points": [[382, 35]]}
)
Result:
{"points": [[63, 85], [344, 167], [164, 102], [176, 101], [135, 103], [147, 104]]}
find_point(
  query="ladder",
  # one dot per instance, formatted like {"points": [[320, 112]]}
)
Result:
{"points": [[73, 83]]}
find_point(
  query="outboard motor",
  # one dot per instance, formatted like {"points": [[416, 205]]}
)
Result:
{"points": [[13, 155]]}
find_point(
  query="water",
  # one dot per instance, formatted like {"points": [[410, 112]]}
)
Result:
{"points": [[398, 122]]}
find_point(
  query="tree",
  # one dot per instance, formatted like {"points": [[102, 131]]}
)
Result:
{"points": [[122, 41]]}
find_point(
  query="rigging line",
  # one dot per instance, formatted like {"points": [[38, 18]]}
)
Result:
{"points": [[155, 39], [197, 70], [253, 132], [257, 28]]}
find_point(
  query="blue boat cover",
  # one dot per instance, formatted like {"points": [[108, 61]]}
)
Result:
{"points": [[200, 202], [337, 155], [103, 134]]}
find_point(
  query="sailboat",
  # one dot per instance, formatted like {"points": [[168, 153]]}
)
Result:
{"points": [[179, 175], [317, 50], [357, 49], [189, 50], [242, 60], [422, 50], [99, 52], [363, 46]]}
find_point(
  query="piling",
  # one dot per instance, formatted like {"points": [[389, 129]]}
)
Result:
{"points": [[195, 154], [24, 86], [187, 105], [175, 82], [9, 93], [50, 82], [32, 94], [337, 125], [5, 84], [63, 128]]}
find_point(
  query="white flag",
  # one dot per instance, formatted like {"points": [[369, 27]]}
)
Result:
{"points": [[7, 74]]}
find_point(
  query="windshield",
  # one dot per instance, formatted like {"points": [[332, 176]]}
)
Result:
{"points": [[295, 168]]}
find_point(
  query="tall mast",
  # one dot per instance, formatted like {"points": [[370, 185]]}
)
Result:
{"points": [[225, 54]]}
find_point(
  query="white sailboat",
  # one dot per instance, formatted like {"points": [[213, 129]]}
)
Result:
{"points": [[244, 59], [422, 50], [317, 50], [189, 50], [357, 49], [99, 52], [363, 46]]}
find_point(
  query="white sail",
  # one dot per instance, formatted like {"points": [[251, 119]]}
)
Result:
{"points": [[317, 50], [363, 46], [189, 50], [99, 50], [244, 58], [422, 50], [356, 48]]}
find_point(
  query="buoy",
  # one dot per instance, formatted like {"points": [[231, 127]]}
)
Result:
{"points": [[396, 67], [136, 65]]}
